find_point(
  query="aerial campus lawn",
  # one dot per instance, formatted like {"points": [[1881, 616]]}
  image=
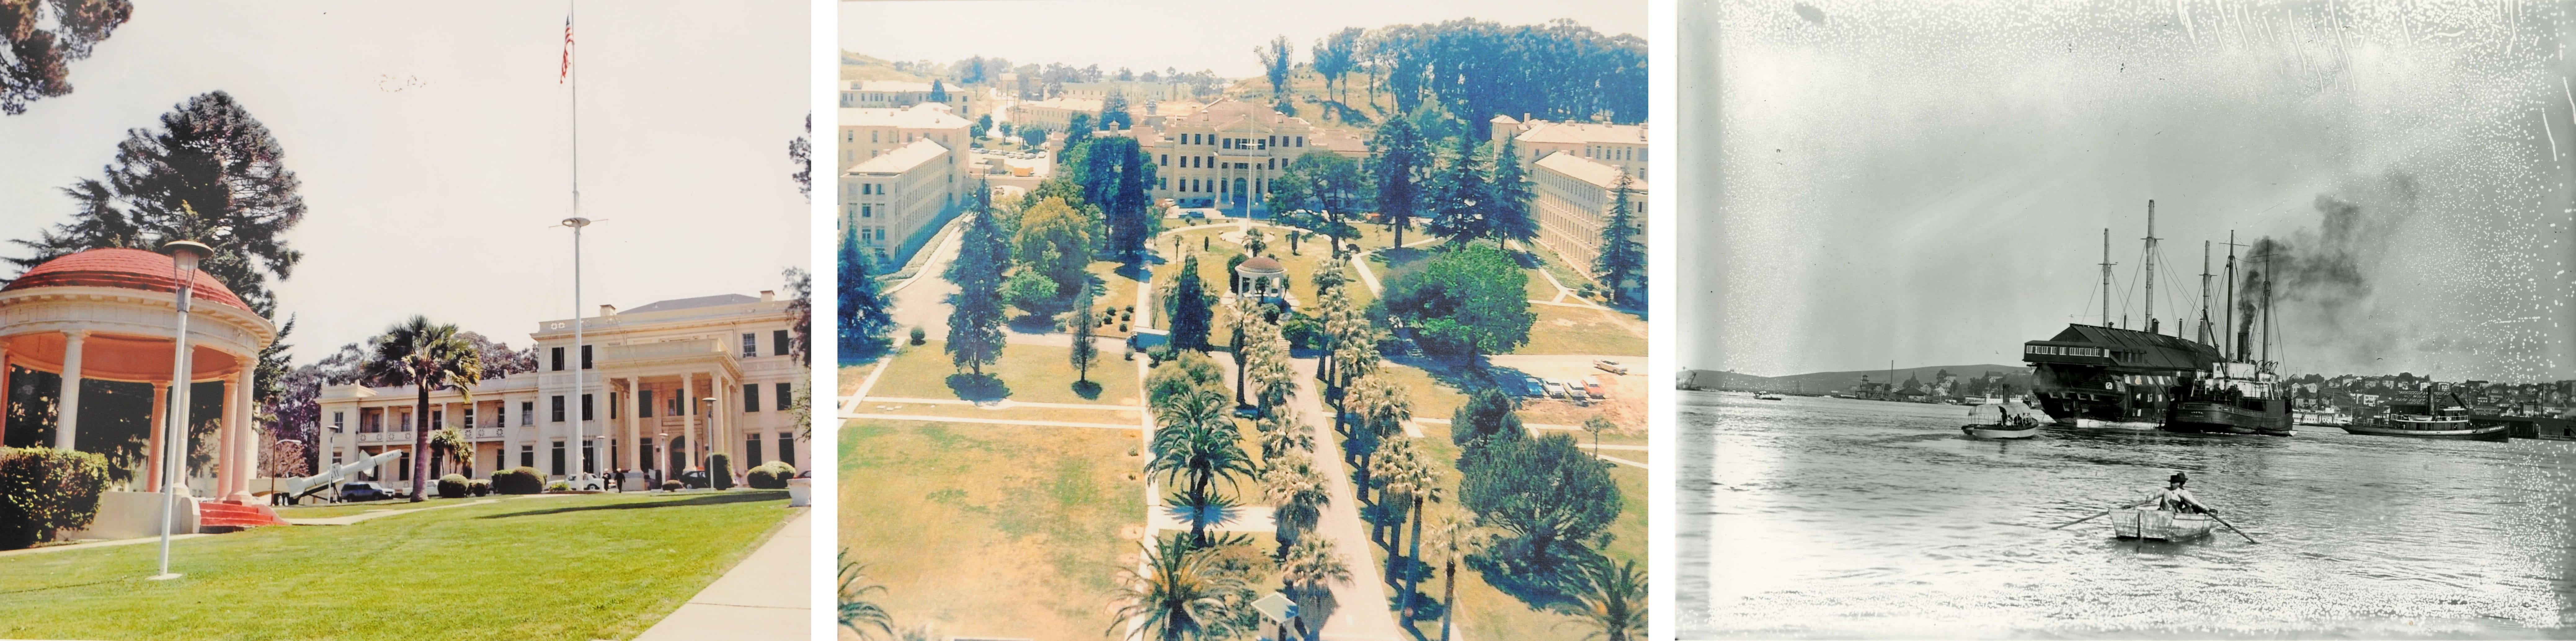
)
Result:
{"points": [[1028, 373], [1486, 612], [993, 531], [601, 566], [1213, 254]]}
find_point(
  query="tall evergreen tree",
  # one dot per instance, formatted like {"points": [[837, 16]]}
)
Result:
{"points": [[975, 327], [1077, 130], [1277, 58], [1113, 111], [864, 320], [1084, 352], [1463, 200], [1190, 307], [43, 38], [1511, 217], [1622, 261], [938, 91], [1398, 160]]}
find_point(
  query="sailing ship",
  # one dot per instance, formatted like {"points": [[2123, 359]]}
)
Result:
{"points": [[2430, 419]]}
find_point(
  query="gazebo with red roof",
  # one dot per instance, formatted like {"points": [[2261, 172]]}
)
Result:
{"points": [[109, 314]]}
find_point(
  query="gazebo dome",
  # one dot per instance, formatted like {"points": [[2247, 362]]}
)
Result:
{"points": [[121, 268], [1260, 266]]}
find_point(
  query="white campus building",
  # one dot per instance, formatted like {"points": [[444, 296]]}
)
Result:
{"points": [[903, 173], [637, 391], [1225, 154], [1572, 196], [1055, 114], [1621, 146], [893, 93]]}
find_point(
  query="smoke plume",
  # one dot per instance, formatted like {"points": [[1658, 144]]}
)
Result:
{"points": [[2320, 279]]}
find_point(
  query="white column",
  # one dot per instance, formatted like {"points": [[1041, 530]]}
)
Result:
{"points": [[690, 408], [160, 424], [245, 450], [634, 407], [67, 418], [225, 442]]}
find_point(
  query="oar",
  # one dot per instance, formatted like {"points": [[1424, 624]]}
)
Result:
{"points": [[2249, 538], [2097, 515]]}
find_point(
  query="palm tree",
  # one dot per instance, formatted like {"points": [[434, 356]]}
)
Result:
{"points": [[1180, 594], [425, 356], [856, 609], [1245, 312], [1427, 490], [1612, 602], [1596, 425], [451, 444], [1284, 434], [1382, 408], [1196, 442], [1305, 569], [1297, 495], [1454, 539], [1401, 475]]}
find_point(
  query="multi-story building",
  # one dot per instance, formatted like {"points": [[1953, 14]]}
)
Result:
{"points": [[893, 201], [1572, 196], [894, 94], [1225, 154], [1054, 114], [1621, 146], [1137, 91], [658, 387], [868, 131]]}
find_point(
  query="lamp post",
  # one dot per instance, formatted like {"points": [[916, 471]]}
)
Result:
{"points": [[580, 365], [184, 255]]}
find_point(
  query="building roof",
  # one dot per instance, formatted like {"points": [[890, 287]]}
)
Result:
{"points": [[1584, 169], [1227, 110], [1582, 133], [1088, 105], [921, 116], [2152, 350], [902, 159], [122, 268], [1261, 265], [889, 85], [692, 303], [1348, 144]]}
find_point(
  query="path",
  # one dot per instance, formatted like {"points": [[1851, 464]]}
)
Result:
{"points": [[763, 597], [1360, 604], [354, 519], [98, 544]]}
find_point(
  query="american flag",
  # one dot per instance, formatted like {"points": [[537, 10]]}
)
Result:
{"points": [[567, 52]]}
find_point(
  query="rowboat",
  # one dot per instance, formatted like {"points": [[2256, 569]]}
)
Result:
{"points": [[2160, 525], [1997, 421], [1766, 396], [2001, 431]]}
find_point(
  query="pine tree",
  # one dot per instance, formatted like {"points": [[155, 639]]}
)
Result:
{"points": [[1463, 199], [1396, 165], [1190, 308], [1622, 261], [975, 327], [938, 91], [1084, 353], [864, 321], [1511, 217]]}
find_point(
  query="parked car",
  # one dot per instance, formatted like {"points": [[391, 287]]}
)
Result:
{"points": [[694, 478], [583, 482], [1557, 389], [1532, 387], [1611, 366], [363, 491], [1592, 387]]}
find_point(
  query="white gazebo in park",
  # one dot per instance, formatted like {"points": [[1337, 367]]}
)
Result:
{"points": [[1264, 279], [111, 315]]}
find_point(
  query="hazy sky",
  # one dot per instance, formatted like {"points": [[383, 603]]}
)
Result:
{"points": [[433, 142], [1156, 35], [1928, 181]]}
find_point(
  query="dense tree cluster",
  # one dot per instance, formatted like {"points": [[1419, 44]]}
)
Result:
{"points": [[43, 38], [1468, 301]]}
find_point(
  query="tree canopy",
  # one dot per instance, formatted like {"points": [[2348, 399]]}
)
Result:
{"points": [[1560, 70], [975, 336], [864, 320], [1191, 308], [1545, 491], [1398, 161], [1469, 301], [1622, 261], [44, 38]]}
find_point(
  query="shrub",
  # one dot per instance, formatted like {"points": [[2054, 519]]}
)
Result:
{"points": [[479, 487], [45, 490], [772, 475], [720, 471], [670, 486], [451, 486], [558, 486], [919, 336], [520, 480]]}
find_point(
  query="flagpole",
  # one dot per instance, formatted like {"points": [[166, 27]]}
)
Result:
{"points": [[580, 374]]}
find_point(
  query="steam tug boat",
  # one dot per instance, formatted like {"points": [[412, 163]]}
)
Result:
{"points": [[2429, 419]]}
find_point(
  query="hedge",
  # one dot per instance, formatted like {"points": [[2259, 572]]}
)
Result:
{"points": [[720, 471], [519, 480], [452, 486], [45, 490], [772, 475], [479, 487]]}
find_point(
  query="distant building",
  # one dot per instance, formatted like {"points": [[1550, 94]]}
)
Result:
{"points": [[1621, 146], [890, 199], [867, 132], [1054, 114], [1137, 91], [1225, 154], [895, 94], [1572, 197]]}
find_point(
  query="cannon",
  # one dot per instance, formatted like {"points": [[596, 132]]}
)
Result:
{"points": [[299, 488]]}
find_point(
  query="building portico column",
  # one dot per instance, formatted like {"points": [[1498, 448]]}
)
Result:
{"points": [[5, 392], [160, 425], [634, 408], [225, 441], [690, 408], [245, 450], [67, 417]]}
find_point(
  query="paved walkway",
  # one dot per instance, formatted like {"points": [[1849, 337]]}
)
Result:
{"points": [[97, 544], [1359, 609], [354, 519], [763, 597]]}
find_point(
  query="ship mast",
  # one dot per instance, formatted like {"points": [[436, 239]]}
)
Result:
{"points": [[2205, 337], [2151, 266], [2235, 346], [2106, 276]]}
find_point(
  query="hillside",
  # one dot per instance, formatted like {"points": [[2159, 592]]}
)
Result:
{"points": [[859, 66]]}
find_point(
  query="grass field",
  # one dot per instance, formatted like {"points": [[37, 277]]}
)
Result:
{"points": [[1029, 373], [602, 566], [991, 530], [330, 510], [1575, 330]]}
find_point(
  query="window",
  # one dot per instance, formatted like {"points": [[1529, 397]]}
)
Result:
{"points": [[751, 397], [469, 416], [527, 456], [585, 407], [437, 419], [402, 470], [559, 408], [527, 413], [612, 406], [559, 458], [751, 450], [589, 461], [750, 345], [867, 211], [786, 391], [778, 342], [556, 359], [644, 403], [676, 409], [339, 420], [644, 453], [1167, 159], [787, 448], [585, 357], [335, 459]]}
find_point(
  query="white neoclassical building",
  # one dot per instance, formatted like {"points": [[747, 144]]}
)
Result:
{"points": [[1621, 146], [102, 325], [636, 392], [1224, 155]]}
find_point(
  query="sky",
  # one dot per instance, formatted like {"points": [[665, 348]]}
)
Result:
{"points": [[1155, 35], [1928, 182], [434, 146]]}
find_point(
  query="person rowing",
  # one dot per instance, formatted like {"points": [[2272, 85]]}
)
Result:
{"points": [[2178, 500]]}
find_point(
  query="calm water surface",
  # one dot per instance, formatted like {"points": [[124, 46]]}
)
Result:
{"points": [[1830, 517]]}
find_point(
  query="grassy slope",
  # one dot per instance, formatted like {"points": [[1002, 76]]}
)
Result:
{"points": [[1032, 373], [582, 567]]}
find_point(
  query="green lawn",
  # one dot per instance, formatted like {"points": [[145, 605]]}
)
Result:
{"points": [[1576, 330], [324, 511], [1029, 373], [603, 566], [992, 530]]}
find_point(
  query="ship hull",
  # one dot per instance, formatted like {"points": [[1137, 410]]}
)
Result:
{"points": [[2463, 431], [2230, 418]]}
